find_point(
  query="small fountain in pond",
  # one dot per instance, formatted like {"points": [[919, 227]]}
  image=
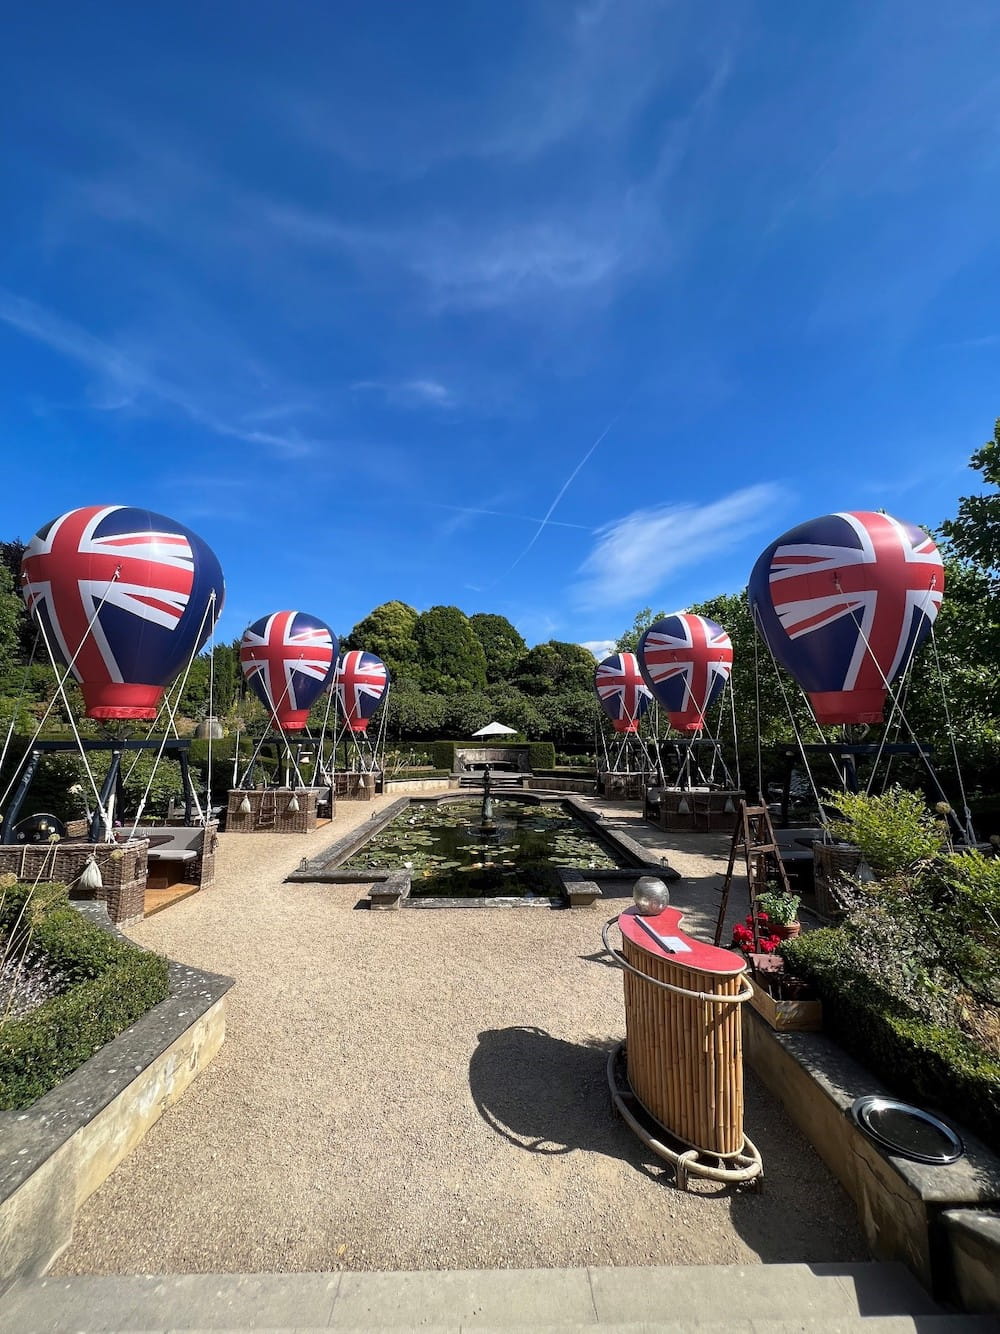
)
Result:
{"points": [[487, 824]]}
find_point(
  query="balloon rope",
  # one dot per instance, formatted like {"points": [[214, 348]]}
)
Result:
{"points": [[970, 832], [17, 705], [60, 683], [60, 687], [760, 739], [736, 742], [321, 762], [795, 727], [211, 715], [272, 722], [171, 709], [906, 722]]}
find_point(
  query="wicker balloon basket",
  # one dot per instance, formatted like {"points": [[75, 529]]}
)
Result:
{"points": [[678, 1079], [832, 863]]}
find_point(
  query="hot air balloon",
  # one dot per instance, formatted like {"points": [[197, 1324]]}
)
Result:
{"points": [[362, 680], [125, 598], [288, 658], [685, 660], [842, 602], [623, 694]]}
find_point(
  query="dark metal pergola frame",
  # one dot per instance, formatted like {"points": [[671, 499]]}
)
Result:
{"points": [[112, 779], [848, 753]]}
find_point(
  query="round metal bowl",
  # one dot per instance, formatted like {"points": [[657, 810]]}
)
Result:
{"points": [[907, 1131]]}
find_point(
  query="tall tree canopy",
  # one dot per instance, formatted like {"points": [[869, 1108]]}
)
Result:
{"points": [[556, 666], [449, 654], [388, 632], [974, 533], [502, 644]]}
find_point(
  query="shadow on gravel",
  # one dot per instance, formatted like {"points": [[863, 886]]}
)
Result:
{"points": [[548, 1096]]}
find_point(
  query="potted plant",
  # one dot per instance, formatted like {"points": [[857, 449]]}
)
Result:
{"points": [[781, 910]]}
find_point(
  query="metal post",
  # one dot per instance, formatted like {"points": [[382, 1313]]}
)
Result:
{"points": [[17, 800], [107, 787]]}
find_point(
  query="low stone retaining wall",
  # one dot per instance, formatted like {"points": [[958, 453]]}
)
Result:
{"points": [[122, 866], [57, 1152], [942, 1222], [420, 784], [583, 786]]}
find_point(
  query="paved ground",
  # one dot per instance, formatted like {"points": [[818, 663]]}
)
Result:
{"points": [[426, 1090]]}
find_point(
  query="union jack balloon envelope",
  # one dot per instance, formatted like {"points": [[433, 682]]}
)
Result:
{"points": [[362, 679], [623, 694], [125, 598], [686, 661], [842, 602], [288, 659]]}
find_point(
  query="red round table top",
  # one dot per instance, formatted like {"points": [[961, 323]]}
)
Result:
{"points": [[679, 948]]}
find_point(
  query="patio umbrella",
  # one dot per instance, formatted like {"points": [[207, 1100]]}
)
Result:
{"points": [[495, 729]]}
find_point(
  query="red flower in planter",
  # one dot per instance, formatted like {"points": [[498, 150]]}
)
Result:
{"points": [[743, 936]]}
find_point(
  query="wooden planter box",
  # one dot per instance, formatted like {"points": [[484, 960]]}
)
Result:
{"points": [[787, 1016]]}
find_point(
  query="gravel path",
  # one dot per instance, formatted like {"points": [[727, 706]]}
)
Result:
{"points": [[426, 1089]]}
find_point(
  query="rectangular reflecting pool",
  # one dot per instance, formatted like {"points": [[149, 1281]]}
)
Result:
{"points": [[450, 857]]}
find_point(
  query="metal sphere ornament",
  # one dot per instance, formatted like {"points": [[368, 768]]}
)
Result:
{"points": [[650, 895]]}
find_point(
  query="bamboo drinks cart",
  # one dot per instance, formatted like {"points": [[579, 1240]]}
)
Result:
{"points": [[682, 1072]]}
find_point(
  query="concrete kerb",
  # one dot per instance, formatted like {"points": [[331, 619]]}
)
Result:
{"points": [[60, 1149]]}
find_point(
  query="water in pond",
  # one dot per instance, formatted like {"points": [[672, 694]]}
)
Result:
{"points": [[450, 858]]}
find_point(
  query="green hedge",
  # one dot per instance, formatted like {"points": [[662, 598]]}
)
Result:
{"points": [[940, 1068], [112, 984], [541, 754]]}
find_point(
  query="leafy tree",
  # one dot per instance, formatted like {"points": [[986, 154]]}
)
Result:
{"points": [[450, 656], [555, 667], [570, 715], [414, 714], [467, 711], [974, 533], [629, 641], [516, 709], [388, 632], [502, 644], [11, 615]]}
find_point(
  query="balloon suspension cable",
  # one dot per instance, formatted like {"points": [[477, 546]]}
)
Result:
{"points": [[61, 693], [60, 682], [321, 767], [171, 712], [211, 715], [271, 722], [17, 705], [736, 744], [970, 832], [913, 736], [795, 727], [760, 739]]}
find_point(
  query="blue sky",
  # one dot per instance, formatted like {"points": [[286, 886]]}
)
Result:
{"points": [[549, 309]]}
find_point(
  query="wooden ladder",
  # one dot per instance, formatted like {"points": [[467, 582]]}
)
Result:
{"points": [[754, 837], [268, 811]]}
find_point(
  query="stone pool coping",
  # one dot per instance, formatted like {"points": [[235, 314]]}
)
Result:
{"points": [[57, 1152]]}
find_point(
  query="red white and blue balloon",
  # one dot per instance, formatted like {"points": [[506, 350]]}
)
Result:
{"points": [[686, 661], [843, 601], [362, 680], [125, 598], [623, 694], [288, 659]]}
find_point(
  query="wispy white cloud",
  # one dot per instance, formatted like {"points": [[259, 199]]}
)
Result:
{"points": [[601, 648], [123, 381], [635, 556], [420, 392]]}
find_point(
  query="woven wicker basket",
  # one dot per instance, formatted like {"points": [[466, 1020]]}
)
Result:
{"points": [[831, 863]]}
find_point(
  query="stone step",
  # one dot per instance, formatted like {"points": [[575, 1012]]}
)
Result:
{"points": [[884, 1297]]}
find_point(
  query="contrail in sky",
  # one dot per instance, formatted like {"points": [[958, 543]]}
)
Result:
{"points": [[559, 495]]}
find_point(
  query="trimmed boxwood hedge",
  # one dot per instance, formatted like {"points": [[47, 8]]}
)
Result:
{"points": [[112, 984], [940, 1068], [541, 754]]}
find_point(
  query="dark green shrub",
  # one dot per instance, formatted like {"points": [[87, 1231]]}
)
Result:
{"points": [[541, 754], [934, 1065], [112, 984]]}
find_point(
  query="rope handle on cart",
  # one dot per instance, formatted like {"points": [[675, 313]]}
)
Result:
{"points": [[742, 995]]}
